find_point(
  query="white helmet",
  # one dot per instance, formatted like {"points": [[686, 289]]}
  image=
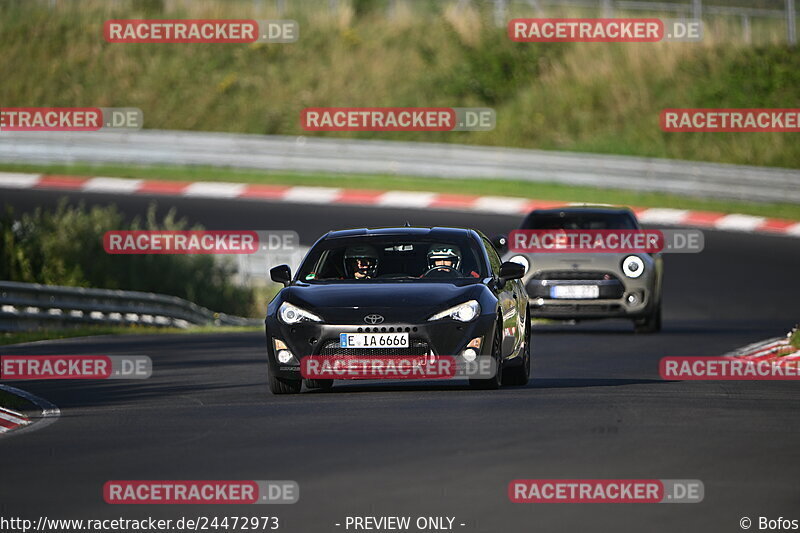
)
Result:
{"points": [[444, 252]]}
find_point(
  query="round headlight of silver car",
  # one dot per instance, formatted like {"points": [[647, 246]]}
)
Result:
{"points": [[633, 266]]}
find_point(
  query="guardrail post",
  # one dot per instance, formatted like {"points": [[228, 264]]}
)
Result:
{"points": [[607, 9], [537, 8], [748, 33], [499, 13], [697, 9], [791, 23]]}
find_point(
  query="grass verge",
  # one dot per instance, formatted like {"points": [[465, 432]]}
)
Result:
{"points": [[524, 189], [594, 97], [39, 335]]}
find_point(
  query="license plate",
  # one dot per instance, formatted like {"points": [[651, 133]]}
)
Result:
{"points": [[373, 340], [574, 292]]}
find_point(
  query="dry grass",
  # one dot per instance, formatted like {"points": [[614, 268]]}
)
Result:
{"points": [[589, 97]]}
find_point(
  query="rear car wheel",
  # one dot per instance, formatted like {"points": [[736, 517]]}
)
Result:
{"points": [[284, 386], [323, 384], [496, 381], [649, 324], [518, 376]]}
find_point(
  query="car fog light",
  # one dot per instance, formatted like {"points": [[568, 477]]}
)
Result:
{"points": [[284, 356], [632, 299], [470, 354]]}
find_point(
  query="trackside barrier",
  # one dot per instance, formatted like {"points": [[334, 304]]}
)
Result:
{"points": [[29, 306]]}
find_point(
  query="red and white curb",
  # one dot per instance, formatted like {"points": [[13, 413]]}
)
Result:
{"points": [[777, 351], [14, 423], [402, 199], [10, 420]]}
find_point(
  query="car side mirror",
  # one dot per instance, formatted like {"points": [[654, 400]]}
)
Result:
{"points": [[500, 243], [509, 270], [281, 274]]}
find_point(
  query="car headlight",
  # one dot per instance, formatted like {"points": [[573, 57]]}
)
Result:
{"points": [[633, 266], [462, 312], [291, 314], [521, 260]]}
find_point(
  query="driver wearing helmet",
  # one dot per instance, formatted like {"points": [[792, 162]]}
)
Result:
{"points": [[446, 256], [360, 262]]}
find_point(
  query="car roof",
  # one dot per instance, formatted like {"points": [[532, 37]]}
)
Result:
{"points": [[434, 233], [586, 209]]}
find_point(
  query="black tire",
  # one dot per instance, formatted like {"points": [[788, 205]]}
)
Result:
{"points": [[649, 324], [322, 384], [495, 382], [284, 386], [519, 375]]}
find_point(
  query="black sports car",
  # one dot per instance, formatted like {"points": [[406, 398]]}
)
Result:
{"points": [[404, 291]]}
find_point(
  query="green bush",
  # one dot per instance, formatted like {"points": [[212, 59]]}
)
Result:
{"points": [[65, 247]]}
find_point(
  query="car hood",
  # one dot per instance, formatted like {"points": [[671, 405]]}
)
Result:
{"points": [[406, 302]]}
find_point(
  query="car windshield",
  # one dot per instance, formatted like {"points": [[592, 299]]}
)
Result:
{"points": [[580, 221], [379, 258]]}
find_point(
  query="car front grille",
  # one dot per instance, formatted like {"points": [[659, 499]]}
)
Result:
{"points": [[571, 309], [417, 347], [564, 275], [610, 287]]}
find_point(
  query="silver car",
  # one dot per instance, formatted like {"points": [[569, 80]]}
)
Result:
{"points": [[577, 285]]}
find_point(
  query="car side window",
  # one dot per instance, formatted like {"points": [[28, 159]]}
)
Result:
{"points": [[494, 259]]}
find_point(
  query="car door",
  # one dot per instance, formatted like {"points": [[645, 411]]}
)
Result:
{"points": [[510, 301]]}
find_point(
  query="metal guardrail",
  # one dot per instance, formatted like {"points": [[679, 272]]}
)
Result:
{"points": [[28, 306], [351, 156]]}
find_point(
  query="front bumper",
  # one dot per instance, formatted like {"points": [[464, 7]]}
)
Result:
{"points": [[618, 297], [444, 337]]}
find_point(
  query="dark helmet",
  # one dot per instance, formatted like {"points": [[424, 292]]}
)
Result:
{"points": [[444, 252], [363, 259]]}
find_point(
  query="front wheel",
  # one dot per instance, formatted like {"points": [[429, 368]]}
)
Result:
{"points": [[284, 386], [519, 375], [495, 382]]}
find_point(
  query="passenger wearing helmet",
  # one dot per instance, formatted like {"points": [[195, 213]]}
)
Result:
{"points": [[444, 256], [360, 262]]}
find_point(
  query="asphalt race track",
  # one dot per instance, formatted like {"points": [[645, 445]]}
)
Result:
{"points": [[596, 408]]}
